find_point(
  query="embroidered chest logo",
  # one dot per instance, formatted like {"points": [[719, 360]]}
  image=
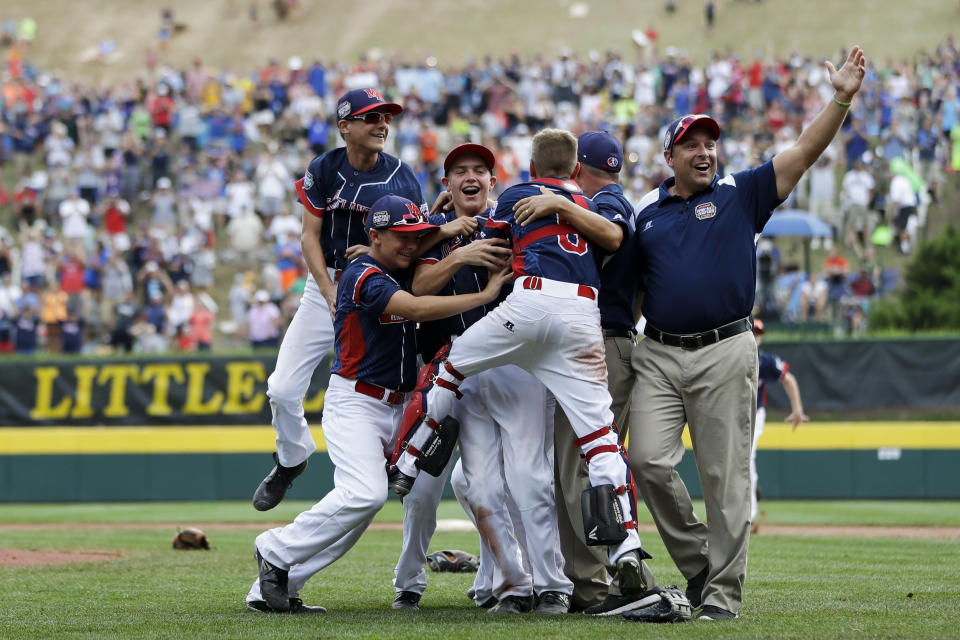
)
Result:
{"points": [[705, 210], [647, 226], [508, 326]]}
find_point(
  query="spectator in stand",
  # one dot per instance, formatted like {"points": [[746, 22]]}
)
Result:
{"points": [[74, 212], [857, 194], [903, 205], [823, 191], [27, 327], [7, 329], [813, 297], [201, 322], [115, 215], [53, 311], [182, 306], [71, 334], [835, 272], [70, 273], [246, 234], [164, 205], [274, 182], [240, 195], [124, 316], [239, 297], [263, 322]]}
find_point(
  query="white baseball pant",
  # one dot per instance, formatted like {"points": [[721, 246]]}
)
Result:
{"points": [[360, 432], [553, 332], [307, 340], [754, 477]]}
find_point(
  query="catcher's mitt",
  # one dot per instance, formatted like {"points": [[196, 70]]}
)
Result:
{"points": [[190, 538], [673, 606], [453, 561]]}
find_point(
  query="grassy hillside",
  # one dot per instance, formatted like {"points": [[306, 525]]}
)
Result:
{"points": [[222, 33]]}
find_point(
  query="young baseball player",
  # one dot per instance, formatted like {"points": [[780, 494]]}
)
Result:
{"points": [[373, 369], [772, 369], [337, 191], [550, 326], [505, 428], [600, 157]]}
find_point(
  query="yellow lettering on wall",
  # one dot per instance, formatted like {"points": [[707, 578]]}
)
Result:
{"points": [[83, 399], [161, 374], [242, 396], [315, 403], [194, 405], [43, 409], [117, 375]]}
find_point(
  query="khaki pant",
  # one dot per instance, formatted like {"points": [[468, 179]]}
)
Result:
{"points": [[586, 566], [714, 390]]}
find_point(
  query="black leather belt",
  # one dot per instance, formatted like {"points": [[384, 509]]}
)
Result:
{"points": [[618, 333], [692, 342]]}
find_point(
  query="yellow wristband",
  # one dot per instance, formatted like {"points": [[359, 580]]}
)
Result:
{"points": [[842, 104]]}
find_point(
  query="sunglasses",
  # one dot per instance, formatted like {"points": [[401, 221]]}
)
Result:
{"points": [[373, 117]]}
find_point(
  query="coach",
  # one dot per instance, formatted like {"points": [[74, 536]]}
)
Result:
{"points": [[698, 364]]}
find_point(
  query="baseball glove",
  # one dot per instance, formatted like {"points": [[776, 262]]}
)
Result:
{"points": [[190, 538], [673, 606], [453, 561]]}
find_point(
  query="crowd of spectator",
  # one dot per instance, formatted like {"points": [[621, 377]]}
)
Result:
{"points": [[123, 201]]}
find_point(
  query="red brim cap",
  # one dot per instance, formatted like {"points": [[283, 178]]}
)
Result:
{"points": [[477, 149], [679, 128], [389, 107], [405, 228]]}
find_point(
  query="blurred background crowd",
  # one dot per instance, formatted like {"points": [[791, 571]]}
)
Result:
{"points": [[160, 214]]}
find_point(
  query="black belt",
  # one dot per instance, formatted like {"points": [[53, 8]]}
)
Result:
{"points": [[692, 342], [618, 333]]}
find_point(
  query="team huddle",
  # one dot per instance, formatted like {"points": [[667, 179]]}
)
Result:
{"points": [[522, 312]]}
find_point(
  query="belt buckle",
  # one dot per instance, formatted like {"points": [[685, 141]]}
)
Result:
{"points": [[687, 345]]}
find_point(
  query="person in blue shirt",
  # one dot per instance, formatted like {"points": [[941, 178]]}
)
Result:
{"points": [[771, 369], [374, 369], [695, 242]]}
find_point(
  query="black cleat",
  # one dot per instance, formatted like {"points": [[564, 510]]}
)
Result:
{"points": [[406, 601], [296, 606], [399, 482], [630, 573], [710, 612], [273, 584], [275, 485]]}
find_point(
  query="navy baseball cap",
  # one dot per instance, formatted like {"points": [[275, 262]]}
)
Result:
{"points": [[468, 147], [359, 101], [600, 150], [397, 214], [679, 127]]}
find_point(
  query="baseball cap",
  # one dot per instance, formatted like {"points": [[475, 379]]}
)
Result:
{"points": [[359, 101], [758, 326], [398, 214], [600, 150], [468, 147], [679, 127], [261, 296]]}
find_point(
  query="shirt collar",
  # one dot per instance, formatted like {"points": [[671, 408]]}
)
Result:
{"points": [[666, 196]]}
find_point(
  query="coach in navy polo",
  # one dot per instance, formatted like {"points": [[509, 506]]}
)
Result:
{"points": [[698, 363]]}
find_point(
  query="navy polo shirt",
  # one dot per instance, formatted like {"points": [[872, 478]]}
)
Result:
{"points": [[617, 276], [697, 257]]}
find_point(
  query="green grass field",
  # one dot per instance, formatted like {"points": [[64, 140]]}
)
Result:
{"points": [[798, 586]]}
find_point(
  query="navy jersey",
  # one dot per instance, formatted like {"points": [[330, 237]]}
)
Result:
{"points": [[26, 339], [697, 257], [772, 369], [333, 190], [71, 336], [370, 344], [617, 272], [468, 279], [549, 247]]}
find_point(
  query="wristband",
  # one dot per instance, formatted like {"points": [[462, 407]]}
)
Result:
{"points": [[842, 104]]}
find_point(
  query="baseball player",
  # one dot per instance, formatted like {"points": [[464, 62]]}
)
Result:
{"points": [[337, 191], [373, 369], [772, 369], [505, 427], [601, 157], [550, 326]]}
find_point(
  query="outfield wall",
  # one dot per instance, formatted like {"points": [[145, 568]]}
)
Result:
{"points": [[114, 430]]}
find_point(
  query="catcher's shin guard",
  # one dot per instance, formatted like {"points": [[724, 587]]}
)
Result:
{"points": [[608, 511], [416, 412]]}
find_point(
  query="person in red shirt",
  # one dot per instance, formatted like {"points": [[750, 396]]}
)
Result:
{"points": [[201, 323], [115, 215]]}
